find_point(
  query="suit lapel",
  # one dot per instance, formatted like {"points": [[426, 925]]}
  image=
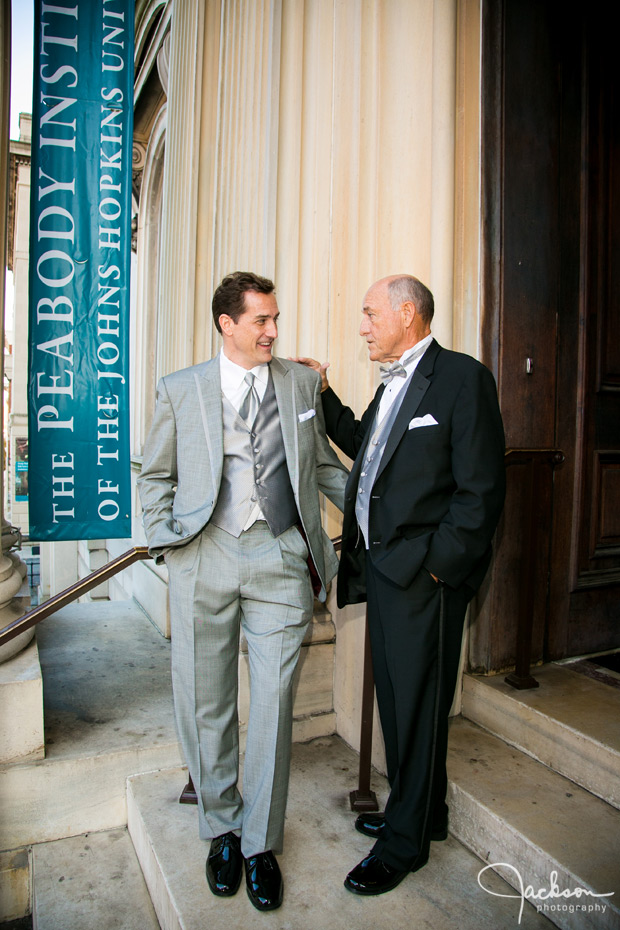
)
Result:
{"points": [[284, 387], [417, 388], [209, 388]]}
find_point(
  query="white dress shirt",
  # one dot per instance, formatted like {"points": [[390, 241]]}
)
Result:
{"points": [[234, 386], [396, 385]]}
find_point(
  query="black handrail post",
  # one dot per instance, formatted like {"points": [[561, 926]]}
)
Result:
{"points": [[362, 798]]}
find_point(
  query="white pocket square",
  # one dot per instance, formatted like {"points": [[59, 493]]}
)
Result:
{"points": [[306, 416], [428, 420]]}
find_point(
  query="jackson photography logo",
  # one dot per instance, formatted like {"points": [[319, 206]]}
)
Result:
{"points": [[551, 900]]}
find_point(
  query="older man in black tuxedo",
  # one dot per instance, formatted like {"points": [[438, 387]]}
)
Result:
{"points": [[421, 505]]}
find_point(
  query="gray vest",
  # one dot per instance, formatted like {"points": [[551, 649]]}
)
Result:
{"points": [[254, 470], [372, 460]]}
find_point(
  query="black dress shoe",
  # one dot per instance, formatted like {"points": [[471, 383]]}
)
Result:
{"points": [[224, 864], [373, 876], [371, 824], [264, 881]]}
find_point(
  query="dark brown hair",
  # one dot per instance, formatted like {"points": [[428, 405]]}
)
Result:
{"points": [[229, 296]]}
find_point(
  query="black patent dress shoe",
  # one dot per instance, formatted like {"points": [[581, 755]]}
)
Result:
{"points": [[264, 881], [224, 865], [371, 824], [373, 876]]}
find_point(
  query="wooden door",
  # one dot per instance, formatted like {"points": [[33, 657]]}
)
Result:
{"points": [[551, 330]]}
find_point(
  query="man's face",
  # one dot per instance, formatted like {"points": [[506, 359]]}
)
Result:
{"points": [[249, 341], [383, 328]]}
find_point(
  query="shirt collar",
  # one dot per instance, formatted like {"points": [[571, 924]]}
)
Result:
{"points": [[419, 349], [234, 374]]}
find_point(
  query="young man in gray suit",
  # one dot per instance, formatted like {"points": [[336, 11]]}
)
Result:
{"points": [[233, 465]]}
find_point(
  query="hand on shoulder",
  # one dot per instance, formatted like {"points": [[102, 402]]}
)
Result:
{"points": [[320, 367]]}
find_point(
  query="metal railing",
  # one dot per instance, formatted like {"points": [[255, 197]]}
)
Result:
{"points": [[34, 616]]}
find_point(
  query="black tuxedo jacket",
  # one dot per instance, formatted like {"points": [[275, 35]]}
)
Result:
{"points": [[440, 487]]}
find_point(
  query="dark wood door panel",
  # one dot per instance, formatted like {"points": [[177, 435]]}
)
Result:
{"points": [[597, 513], [530, 205], [551, 292]]}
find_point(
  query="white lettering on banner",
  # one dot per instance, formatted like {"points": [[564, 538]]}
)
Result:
{"points": [[111, 150], [55, 268], [55, 185], [56, 233], [53, 347], [54, 388], [54, 315], [50, 256], [54, 17], [48, 418], [63, 485], [110, 277]]}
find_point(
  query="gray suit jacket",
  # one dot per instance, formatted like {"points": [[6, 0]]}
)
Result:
{"points": [[183, 457]]}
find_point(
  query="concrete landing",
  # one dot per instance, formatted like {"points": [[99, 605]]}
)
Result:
{"points": [[108, 714], [90, 882], [509, 808], [570, 722], [321, 846]]}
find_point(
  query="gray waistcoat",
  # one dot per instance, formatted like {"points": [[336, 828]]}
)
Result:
{"points": [[372, 460], [254, 470]]}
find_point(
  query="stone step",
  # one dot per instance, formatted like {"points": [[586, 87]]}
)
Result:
{"points": [[21, 700], [321, 846], [14, 885], [508, 808], [570, 723], [90, 882], [108, 714]]}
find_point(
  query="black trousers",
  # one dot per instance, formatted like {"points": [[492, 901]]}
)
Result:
{"points": [[415, 637]]}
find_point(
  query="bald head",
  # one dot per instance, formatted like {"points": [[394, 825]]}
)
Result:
{"points": [[396, 315]]}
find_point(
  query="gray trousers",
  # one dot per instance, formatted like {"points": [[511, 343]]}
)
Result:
{"points": [[219, 584]]}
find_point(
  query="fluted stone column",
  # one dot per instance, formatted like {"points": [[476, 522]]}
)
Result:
{"points": [[12, 569], [181, 179]]}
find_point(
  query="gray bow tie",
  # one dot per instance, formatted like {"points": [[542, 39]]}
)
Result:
{"points": [[395, 370]]}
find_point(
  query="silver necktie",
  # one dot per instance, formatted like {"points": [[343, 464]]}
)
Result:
{"points": [[250, 403]]}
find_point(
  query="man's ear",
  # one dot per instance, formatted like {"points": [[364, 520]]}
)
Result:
{"points": [[409, 312], [226, 324]]}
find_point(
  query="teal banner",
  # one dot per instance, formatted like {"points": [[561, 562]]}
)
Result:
{"points": [[80, 242]]}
